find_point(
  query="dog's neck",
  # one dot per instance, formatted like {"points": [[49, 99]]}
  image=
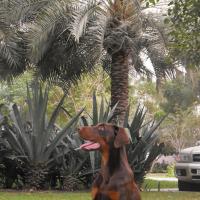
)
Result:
{"points": [[113, 159]]}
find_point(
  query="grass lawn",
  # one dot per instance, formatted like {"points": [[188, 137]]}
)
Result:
{"points": [[150, 181], [86, 196], [153, 184]]}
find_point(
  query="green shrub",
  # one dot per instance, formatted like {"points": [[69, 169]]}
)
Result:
{"points": [[170, 170], [159, 168]]}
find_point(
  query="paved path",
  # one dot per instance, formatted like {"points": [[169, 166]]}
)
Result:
{"points": [[162, 178], [164, 190]]}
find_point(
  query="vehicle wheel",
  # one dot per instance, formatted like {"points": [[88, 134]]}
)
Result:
{"points": [[183, 186]]}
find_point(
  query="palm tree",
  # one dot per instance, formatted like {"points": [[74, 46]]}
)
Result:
{"points": [[68, 38]]}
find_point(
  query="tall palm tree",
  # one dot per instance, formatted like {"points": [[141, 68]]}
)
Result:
{"points": [[68, 38]]}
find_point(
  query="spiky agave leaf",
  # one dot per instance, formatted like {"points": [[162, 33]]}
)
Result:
{"points": [[102, 113], [46, 134], [137, 121], [61, 135], [95, 109], [10, 134], [145, 142], [19, 129]]}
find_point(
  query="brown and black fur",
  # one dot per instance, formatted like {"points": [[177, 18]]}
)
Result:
{"points": [[115, 180]]}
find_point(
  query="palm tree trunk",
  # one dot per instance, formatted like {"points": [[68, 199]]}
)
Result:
{"points": [[35, 176], [119, 85]]}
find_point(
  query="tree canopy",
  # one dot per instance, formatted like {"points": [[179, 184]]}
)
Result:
{"points": [[184, 18], [65, 38]]}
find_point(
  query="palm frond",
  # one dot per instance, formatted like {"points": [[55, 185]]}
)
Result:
{"points": [[11, 52], [41, 32], [12, 48], [156, 46], [80, 16], [66, 61]]}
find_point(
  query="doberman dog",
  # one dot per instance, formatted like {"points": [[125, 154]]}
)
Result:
{"points": [[115, 180]]}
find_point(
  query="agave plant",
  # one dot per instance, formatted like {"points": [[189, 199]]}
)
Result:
{"points": [[34, 139], [71, 167], [145, 146], [8, 167]]}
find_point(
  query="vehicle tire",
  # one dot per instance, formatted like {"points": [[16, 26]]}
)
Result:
{"points": [[183, 186]]}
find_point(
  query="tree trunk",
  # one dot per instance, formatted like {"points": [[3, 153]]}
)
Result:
{"points": [[35, 176], [119, 85]]}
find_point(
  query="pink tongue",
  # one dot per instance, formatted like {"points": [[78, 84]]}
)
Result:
{"points": [[90, 146]]}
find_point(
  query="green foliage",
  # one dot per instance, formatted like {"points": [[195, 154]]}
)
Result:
{"points": [[98, 81], [170, 170], [179, 95], [15, 92], [159, 168], [145, 92], [168, 148], [181, 129], [151, 2], [159, 114], [37, 142], [185, 30]]}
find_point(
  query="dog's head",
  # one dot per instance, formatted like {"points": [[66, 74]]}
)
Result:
{"points": [[102, 135]]}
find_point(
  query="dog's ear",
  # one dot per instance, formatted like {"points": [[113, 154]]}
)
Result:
{"points": [[121, 138]]}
